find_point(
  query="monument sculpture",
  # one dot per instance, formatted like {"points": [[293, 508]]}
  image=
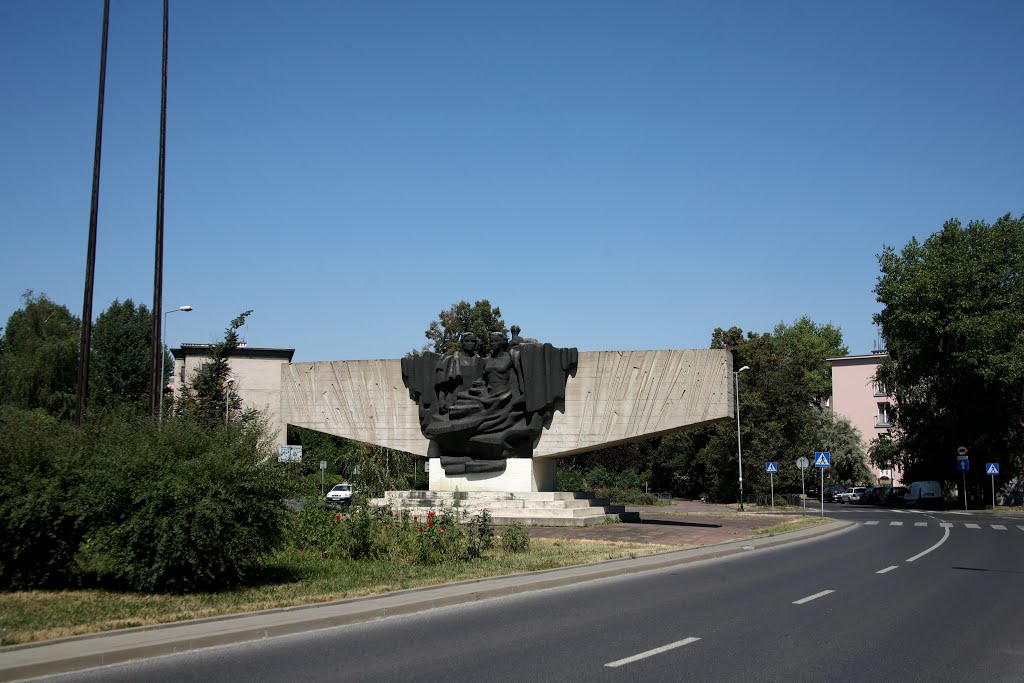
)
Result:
{"points": [[477, 412]]}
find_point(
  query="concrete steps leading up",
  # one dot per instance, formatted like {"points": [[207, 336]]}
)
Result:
{"points": [[548, 508]]}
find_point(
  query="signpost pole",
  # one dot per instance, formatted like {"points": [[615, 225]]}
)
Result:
{"points": [[993, 493], [772, 477], [964, 472], [822, 493]]}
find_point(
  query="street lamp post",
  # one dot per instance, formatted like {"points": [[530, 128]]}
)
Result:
{"points": [[163, 354], [227, 397], [739, 441]]}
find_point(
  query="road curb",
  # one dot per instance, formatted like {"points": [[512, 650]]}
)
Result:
{"points": [[74, 653]]}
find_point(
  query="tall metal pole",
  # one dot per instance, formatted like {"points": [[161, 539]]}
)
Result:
{"points": [[155, 373], [90, 259], [739, 441], [163, 356]]}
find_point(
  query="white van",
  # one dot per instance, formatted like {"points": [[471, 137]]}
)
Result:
{"points": [[922, 494]]}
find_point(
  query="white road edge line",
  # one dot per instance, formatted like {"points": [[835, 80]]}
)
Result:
{"points": [[651, 653], [887, 569], [812, 597], [942, 540]]}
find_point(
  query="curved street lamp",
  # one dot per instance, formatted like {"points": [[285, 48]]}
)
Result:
{"points": [[739, 441], [163, 355]]}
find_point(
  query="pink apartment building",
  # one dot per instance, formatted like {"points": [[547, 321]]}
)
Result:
{"points": [[859, 398]]}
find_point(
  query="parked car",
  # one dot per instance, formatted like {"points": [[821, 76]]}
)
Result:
{"points": [[924, 494], [893, 497], [852, 494], [869, 496], [832, 493], [341, 494]]}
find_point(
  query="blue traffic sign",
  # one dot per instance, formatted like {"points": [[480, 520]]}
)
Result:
{"points": [[963, 465], [822, 459], [771, 467], [992, 468]]}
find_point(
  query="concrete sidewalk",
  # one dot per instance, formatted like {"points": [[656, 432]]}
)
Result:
{"points": [[82, 652]]}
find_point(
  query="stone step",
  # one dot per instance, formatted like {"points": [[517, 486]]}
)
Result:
{"points": [[501, 504]]}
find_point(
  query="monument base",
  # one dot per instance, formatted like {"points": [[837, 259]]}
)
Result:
{"points": [[520, 475]]}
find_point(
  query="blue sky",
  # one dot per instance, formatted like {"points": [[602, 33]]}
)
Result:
{"points": [[613, 175]]}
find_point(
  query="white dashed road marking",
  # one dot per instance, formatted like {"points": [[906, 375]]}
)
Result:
{"points": [[886, 570], [945, 525], [895, 523], [971, 526], [920, 523], [812, 597], [1000, 527], [651, 653], [870, 523]]}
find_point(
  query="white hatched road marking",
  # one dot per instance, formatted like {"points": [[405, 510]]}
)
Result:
{"points": [[812, 597], [945, 537], [971, 526], [1021, 527], [895, 523], [886, 570], [1000, 527], [871, 523], [651, 653], [920, 523]]}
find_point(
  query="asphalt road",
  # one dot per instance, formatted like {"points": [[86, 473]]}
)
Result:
{"points": [[901, 595]]}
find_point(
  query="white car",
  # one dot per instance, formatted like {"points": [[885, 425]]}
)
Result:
{"points": [[852, 494], [342, 493]]}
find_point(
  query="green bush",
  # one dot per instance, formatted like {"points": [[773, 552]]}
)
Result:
{"points": [[183, 507], [316, 527], [570, 480], [514, 538], [624, 496], [39, 528]]}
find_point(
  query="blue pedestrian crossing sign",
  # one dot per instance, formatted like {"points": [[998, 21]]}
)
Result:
{"points": [[771, 468], [822, 459], [992, 468], [963, 465]]}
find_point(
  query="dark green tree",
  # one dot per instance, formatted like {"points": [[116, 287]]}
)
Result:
{"points": [[781, 415], [121, 343], [480, 319], [206, 396], [39, 357], [953, 318]]}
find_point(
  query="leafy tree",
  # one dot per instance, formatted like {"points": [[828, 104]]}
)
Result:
{"points": [[953, 318], [781, 416], [121, 343], [480, 319], [205, 397], [39, 357], [372, 469]]}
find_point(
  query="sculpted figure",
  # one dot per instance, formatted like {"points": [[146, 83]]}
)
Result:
{"points": [[479, 412]]}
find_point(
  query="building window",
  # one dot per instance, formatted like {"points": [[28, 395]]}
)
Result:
{"points": [[882, 419], [880, 389]]}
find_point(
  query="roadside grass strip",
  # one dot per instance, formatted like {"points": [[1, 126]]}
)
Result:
{"points": [[812, 597], [945, 537], [651, 653], [886, 570]]}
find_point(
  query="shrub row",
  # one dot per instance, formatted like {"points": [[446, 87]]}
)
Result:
{"points": [[377, 533], [123, 501]]}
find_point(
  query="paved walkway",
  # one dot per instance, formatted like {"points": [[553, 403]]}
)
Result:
{"points": [[684, 523]]}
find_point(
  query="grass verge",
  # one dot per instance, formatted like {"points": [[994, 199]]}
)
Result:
{"points": [[787, 525], [290, 578]]}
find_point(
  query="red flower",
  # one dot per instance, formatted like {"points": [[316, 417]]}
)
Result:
{"points": [[430, 514], [338, 517], [415, 518], [442, 531], [421, 530], [430, 523]]}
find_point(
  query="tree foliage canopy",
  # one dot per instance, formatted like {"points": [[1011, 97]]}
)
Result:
{"points": [[121, 343], [205, 396], [953, 321], [480, 319], [39, 357]]}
